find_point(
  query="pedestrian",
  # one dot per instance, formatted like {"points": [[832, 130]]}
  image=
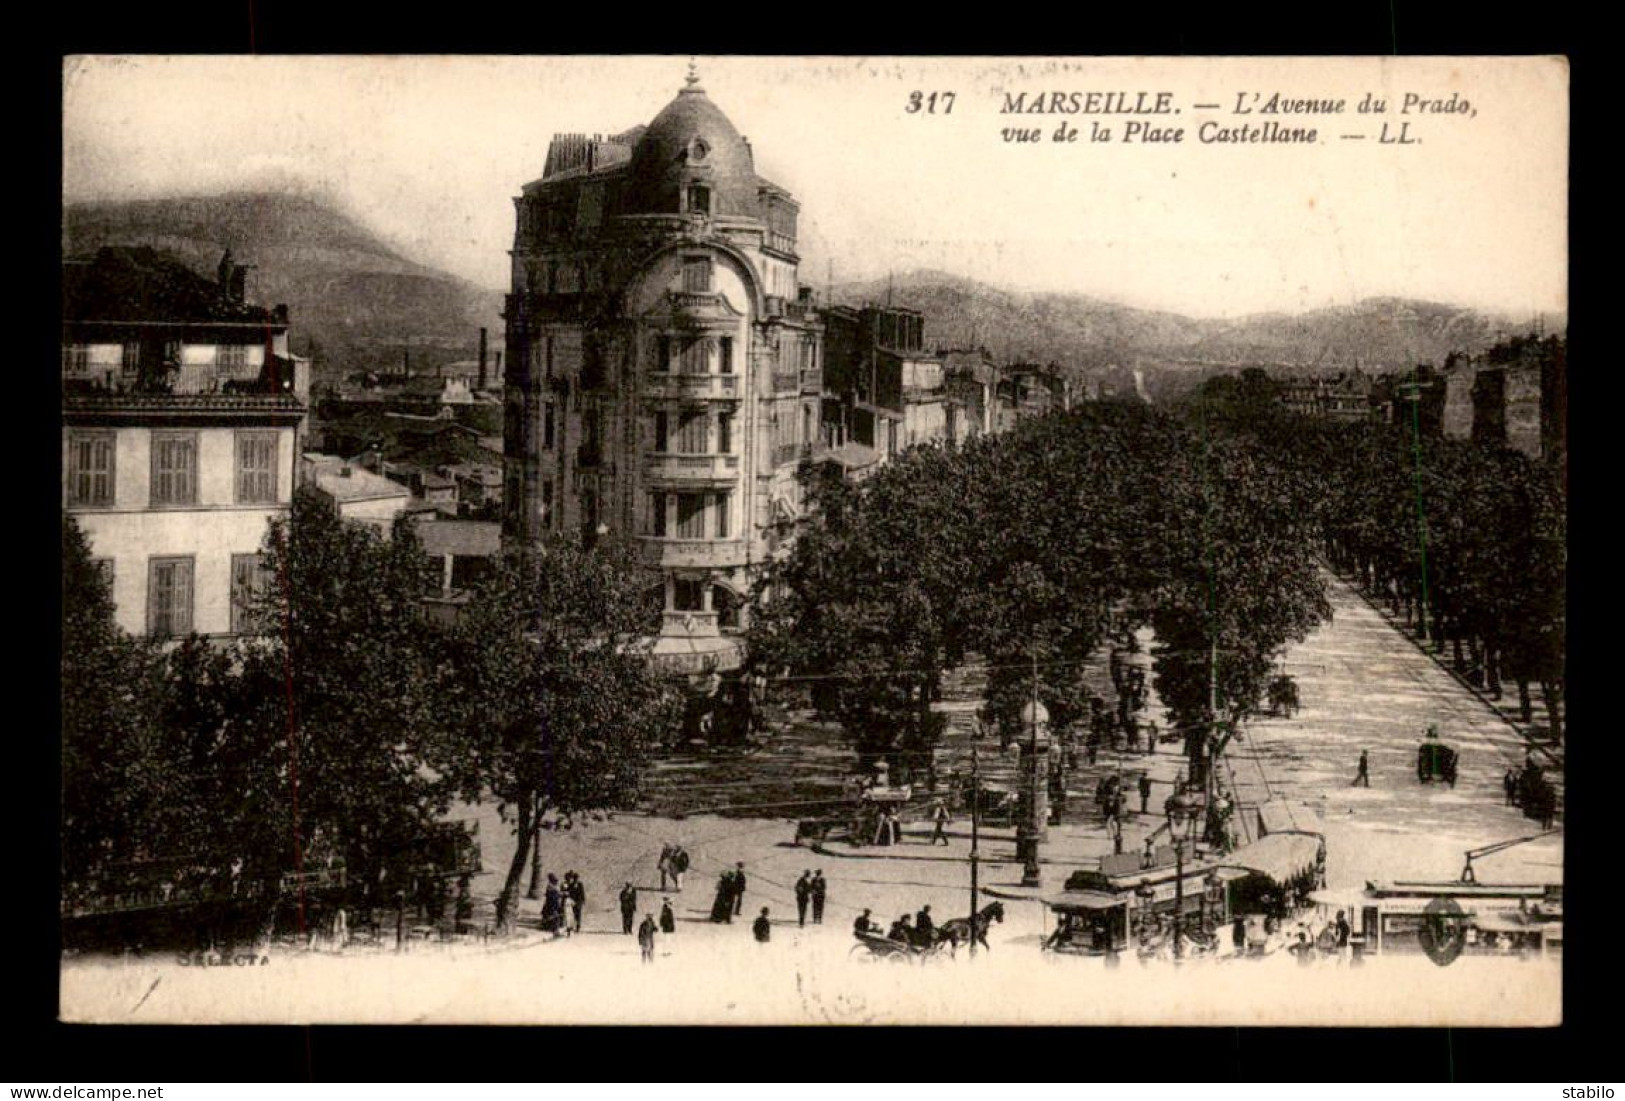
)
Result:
{"points": [[864, 925], [819, 891], [1148, 859], [1343, 930], [925, 930], [1115, 829], [668, 920], [803, 891], [762, 928], [939, 818], [1238, 935], [646, 938], [722, 909], [629, 907], [1509, 784], [578, 899], [1145, 791], [1363, 777], [552, 905], [665, 865], [739, 888], [679, 864]]}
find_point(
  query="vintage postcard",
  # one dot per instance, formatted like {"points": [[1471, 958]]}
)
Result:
{"points": [[814, 540]]}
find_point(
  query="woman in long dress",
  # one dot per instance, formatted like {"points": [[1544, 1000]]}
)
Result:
{"points": [[722, 909]]}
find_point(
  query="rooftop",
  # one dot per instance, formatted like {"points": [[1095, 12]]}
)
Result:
{"points": [[346, 483]]}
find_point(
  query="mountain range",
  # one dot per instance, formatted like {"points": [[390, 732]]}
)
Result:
{"points": [[359, 304], [356, 303]]}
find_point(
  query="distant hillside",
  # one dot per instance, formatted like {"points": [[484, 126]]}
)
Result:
{"points": [[1107, 341], [354, 301]]}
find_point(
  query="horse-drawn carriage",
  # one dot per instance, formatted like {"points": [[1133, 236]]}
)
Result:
{"points": [[1535, 795], [1435, 760], [873, 820], [909, 946], [1283, 695]]}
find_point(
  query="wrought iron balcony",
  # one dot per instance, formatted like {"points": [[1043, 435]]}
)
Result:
{"points": [[677, 385], [666, 465], [693, 553]]}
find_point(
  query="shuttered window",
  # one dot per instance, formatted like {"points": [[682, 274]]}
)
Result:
{"points": [[697, 275], [169, 597], [174, 468], [90, 469], [248, 578], [256, 468], [691, 434], [696, 357], [722, 516], [691, 516]]}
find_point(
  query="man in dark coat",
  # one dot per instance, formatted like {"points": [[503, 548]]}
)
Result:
{"points": [[761, 928], [819, 888], [739, 888], [1145, 791], [646, 938], [925, 930], [1363, 777], [668, 920], [578, 900], [864, 924], [803, 897], [629, 907]]}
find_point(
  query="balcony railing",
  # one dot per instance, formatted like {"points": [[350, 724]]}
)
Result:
{"points": [[678, 385], [780, 242], [692, 553], [662, 464], [696, 300], [689, 623]]}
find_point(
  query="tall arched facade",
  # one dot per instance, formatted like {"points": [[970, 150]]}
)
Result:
{"points": [[664, 365]]}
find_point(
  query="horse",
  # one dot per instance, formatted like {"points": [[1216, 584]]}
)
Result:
{"points": [[972, 929]]}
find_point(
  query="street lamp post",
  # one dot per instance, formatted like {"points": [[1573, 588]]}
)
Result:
{"points": [[1030, 831]]}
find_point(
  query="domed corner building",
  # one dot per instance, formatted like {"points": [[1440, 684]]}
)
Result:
{"points": [[664, 370]]}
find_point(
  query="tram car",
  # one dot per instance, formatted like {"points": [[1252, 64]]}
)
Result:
{"points": [[1436, 761]]}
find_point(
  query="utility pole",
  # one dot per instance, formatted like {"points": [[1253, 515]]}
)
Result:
{"points": [[975, 832]]}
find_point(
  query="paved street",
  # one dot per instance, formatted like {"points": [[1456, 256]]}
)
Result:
{"points": [[1362, 685]]}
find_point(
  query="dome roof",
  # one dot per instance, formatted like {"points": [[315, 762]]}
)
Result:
{"points": [[1032, 711], [692, 141]]}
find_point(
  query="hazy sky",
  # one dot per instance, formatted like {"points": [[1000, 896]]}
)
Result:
{"points": [[429, 152]]}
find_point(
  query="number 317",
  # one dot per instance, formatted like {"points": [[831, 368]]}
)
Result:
{"points": [[927, 102]]}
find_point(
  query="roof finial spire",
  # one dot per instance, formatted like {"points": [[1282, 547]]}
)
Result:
{"points": [[693, 80]]}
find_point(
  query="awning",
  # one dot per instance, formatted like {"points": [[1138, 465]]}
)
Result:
{"points": [[1086, 900], [705, 654], [1280, 856], [1281, 816]]}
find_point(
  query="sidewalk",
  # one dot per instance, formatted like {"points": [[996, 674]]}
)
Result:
{"points": [[1537, 732]]}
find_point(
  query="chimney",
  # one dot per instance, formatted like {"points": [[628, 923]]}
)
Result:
{"points": [[482, 357]]}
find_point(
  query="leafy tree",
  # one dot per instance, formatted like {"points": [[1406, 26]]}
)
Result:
{"points": [[555, 703], [341, 703], [115, 773]]}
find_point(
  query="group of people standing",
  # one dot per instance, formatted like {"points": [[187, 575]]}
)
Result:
{"points": [[810, 889], [646, 931], [730, 899], [562, 904]]}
